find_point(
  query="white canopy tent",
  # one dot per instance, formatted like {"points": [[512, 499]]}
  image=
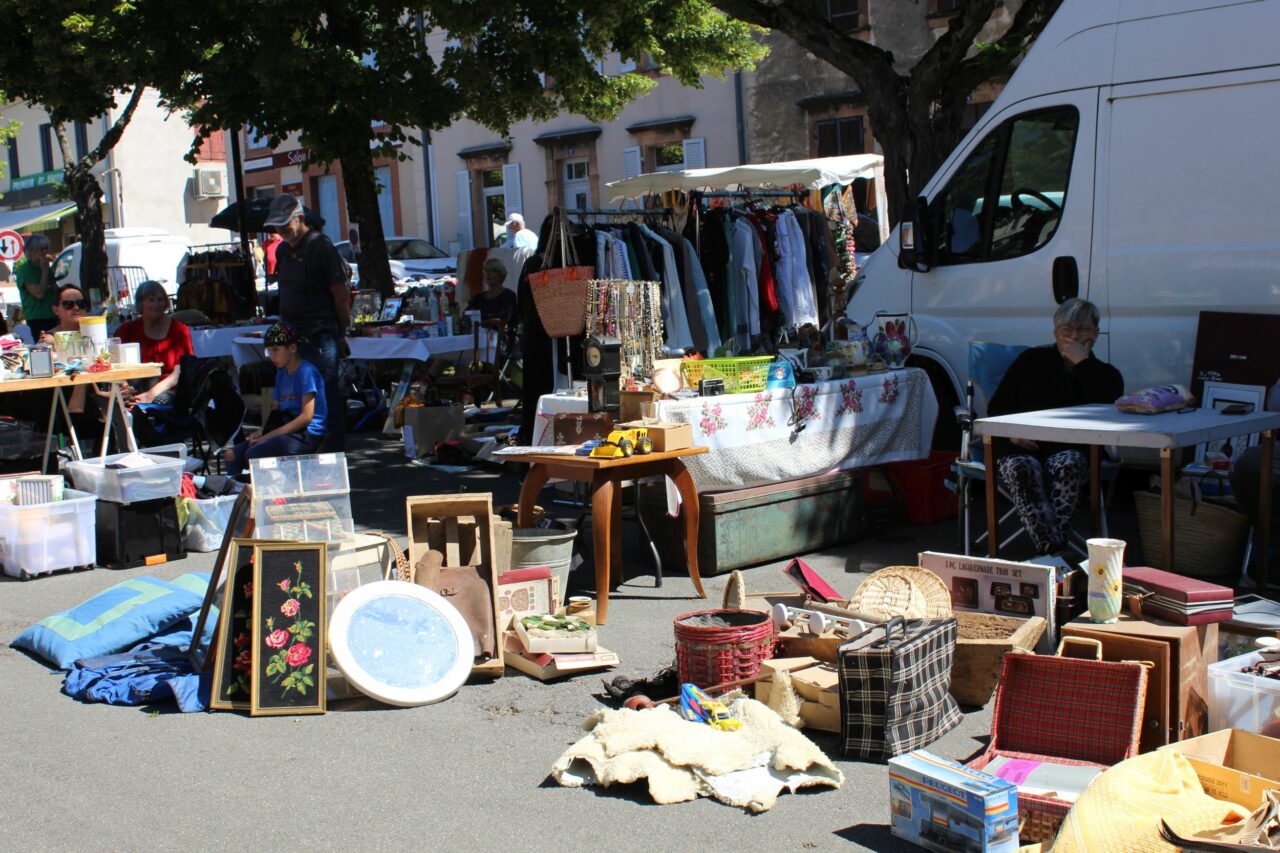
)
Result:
{"points": [[814, 174]]}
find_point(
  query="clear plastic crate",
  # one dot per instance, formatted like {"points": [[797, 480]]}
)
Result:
{"points": [[42, 538], [304, 518], [1239, 700], [19, 440], [128, 485], [291, 476]]}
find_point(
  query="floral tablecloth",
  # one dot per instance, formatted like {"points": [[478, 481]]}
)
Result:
{"points": [[781, 435]]}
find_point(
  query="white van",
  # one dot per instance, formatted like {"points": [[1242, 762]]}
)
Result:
{"points": [[138, 253], [1131, 160]]}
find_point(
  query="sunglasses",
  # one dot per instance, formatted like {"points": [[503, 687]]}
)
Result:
{"points": [[68, 304]]}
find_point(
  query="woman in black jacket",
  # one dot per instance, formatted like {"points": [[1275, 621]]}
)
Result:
{"points": [[1045, 480]]}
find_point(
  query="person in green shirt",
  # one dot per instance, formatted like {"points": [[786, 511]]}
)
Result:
{"points": [[36, 286]]}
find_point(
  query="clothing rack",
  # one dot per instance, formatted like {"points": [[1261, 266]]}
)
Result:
{"points": [[619, 211]]}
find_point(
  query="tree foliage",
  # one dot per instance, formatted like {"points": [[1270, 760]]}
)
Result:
{"points": [[76, 59], [356, 79], [915, 113]]}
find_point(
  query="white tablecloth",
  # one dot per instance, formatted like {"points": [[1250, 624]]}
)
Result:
{"points": [[849, 423], [248, 350], [217, 342]]}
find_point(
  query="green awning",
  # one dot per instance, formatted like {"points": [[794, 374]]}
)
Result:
{"points": [[28, 217]]}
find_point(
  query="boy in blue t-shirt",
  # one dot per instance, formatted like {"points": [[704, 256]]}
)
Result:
{"points": [[298, 424]]}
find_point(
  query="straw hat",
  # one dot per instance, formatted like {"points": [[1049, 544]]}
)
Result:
{"points": [[906, 591]]}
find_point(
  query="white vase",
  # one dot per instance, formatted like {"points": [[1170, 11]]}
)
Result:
{"points": [[1106, 584]]}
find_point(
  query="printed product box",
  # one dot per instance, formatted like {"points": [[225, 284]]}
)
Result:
{"points": [[940, 805]]}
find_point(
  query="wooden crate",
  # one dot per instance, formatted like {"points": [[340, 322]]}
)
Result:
{"points": [[983, 640], [427, 516]]}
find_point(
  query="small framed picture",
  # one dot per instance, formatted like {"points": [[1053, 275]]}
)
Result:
{"points": [[964, 591], [1218, 396], [1029, 590], [391, 309], [289, 657], [1001, 588]]}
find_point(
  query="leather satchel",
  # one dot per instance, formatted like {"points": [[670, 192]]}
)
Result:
{"points": [[577, 427], [466, 588]]}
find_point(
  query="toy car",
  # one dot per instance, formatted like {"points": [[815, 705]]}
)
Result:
{"points": [[622, 443]]}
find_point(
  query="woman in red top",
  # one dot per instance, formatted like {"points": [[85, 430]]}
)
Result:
{"points": [[164, 341]]}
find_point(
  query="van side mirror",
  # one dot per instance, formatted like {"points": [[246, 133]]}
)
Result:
{"points": [[913, 237]]}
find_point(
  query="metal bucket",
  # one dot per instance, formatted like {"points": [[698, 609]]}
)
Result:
{"points": [[533, 546]]}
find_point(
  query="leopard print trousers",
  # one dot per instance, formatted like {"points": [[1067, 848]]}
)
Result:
{"points": [[1046, 496]]}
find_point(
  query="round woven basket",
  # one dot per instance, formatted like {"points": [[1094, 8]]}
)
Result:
{"points": [[906, 591], [708, 655]]}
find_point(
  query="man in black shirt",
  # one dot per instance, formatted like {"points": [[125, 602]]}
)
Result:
{"points": [[315, 298]]}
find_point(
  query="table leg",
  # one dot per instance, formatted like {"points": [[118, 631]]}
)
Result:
{"points": [[71, 427], [989, 459], [48, 436], [529, 490], [689, 508], [602, 533], [1267, 441], [616, 574], [1095, 488], [1166, 506]]}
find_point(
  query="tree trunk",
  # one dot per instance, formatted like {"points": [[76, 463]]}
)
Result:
{"points": [[362, 210]]}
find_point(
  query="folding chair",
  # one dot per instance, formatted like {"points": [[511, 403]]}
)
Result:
{"points": [[988, 363], [207, 409]]}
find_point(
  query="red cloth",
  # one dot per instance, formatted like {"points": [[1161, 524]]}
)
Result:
{"points": [[269, 253], [168, 351]]}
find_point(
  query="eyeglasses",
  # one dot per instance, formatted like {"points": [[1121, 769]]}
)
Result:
{"points": [[68, 304], [1078, 330]]}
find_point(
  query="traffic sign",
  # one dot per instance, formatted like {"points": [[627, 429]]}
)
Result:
{"points": [[10, 245]]}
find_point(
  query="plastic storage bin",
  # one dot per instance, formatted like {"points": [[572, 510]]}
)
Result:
{"points": [[43, 538], [922, 484], [1238, 700], [302, 498], [128, 485], [145, 533]]}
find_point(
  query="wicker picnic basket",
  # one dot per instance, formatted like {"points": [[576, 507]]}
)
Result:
{"points": [[1063, 711], [731, 649], [907, 591]]}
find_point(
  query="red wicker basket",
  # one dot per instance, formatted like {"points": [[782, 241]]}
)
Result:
{"points": [[707, 655]]}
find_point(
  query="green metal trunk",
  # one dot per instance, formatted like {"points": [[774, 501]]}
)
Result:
{"points": [[759, 524]]}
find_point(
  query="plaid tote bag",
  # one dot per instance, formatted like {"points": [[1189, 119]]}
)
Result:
{"points": [[895, 684]]}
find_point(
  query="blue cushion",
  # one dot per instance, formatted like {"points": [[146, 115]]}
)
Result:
{"points": [[115, 619]]}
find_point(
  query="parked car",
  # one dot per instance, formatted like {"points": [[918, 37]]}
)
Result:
{"points": [[409, 256], [134, 255], [1090, 176]]}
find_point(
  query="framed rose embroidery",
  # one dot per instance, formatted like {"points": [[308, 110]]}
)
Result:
{"points": [[288, 637], [231, 652]]}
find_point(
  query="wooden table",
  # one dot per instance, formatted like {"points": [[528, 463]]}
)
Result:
{"points": [[1103, 425], [606, 477], [60, 381]]}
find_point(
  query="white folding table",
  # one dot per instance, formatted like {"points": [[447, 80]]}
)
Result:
{"points": [[1103, 425]]}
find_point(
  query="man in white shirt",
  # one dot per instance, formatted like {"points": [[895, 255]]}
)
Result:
{"points": [[521, 236]]}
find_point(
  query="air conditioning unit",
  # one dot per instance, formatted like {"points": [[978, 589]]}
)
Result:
{"points": [[210, 183]]}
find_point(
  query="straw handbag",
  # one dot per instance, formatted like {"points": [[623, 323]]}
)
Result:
{"points": [[560, 293], [1208, 539]]}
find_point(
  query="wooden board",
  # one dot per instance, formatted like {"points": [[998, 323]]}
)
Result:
{"points": [[982, 642], [460, 526], [122, 373]]}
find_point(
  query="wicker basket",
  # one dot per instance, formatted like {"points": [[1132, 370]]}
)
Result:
{"points": [[907, 591], [742, 375], [711, 655], [1209, 540]]}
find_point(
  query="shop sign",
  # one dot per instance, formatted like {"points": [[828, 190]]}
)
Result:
{"points": [[39, 179], [296, 157]]}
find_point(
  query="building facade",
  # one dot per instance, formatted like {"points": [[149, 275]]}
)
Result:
{"points": [[144, 179]]}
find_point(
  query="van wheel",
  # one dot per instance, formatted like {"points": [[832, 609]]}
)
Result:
{"points": [[946, 432]]}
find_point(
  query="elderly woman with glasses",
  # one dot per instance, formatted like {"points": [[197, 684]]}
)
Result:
{"points": [[1046, 480], [162, 340]]}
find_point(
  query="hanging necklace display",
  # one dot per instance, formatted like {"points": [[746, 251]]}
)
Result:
{"points": [[629, 311]]}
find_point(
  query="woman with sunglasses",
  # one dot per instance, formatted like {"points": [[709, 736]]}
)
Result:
{"points": [[1046, 480], [69, 305]]}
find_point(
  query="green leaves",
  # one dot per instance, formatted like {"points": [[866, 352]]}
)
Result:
{"points": [[302, 630]]}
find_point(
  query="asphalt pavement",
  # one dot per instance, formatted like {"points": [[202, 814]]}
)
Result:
{"points": [[472, 772]]}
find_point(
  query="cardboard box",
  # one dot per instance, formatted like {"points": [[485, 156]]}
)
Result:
{"points": [[629, 403], [940, 805], [427, 426], [817, 685], [988, 585], [1234, 765], [1191, 648], [584, 641], [523, 592], [545, 667], [665, 436]]}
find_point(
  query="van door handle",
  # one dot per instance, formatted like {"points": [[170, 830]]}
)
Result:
{"points": [[1066, 279]]}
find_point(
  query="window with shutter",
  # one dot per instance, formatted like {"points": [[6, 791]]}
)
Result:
{"points": [[512, 189], [840, 136], [46, 147], [15, 168], [462, 202], [695, 153], [843, 14]]}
